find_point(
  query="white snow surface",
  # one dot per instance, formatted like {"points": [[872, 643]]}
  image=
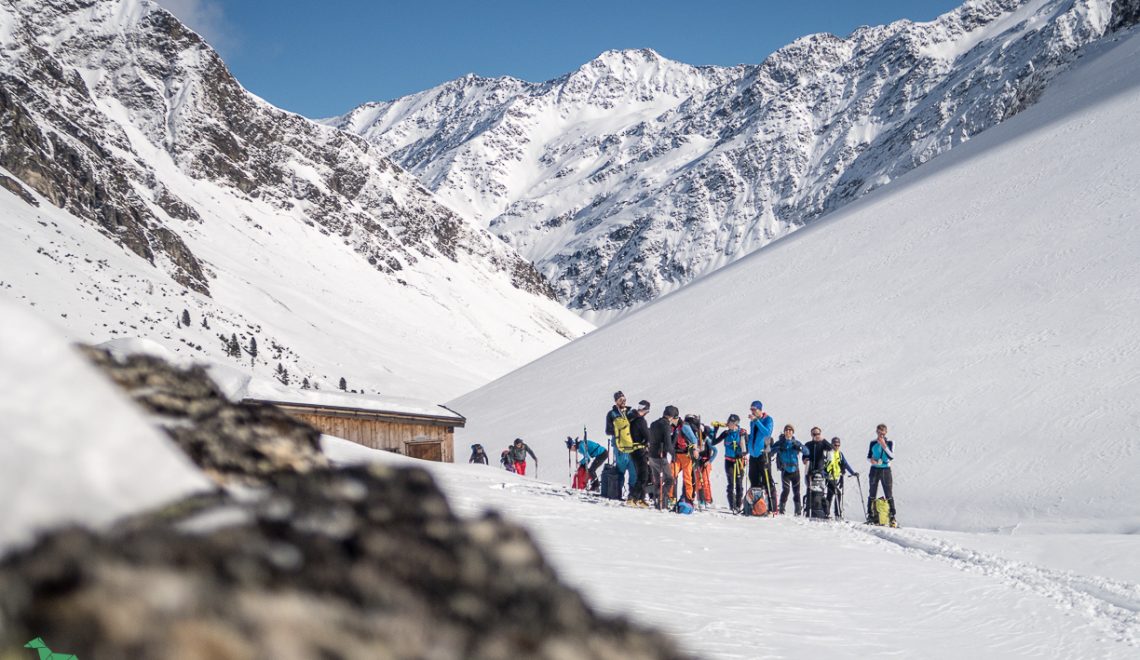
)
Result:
{"points": [[729, 587], [270, 391], [984, 307], [75, 451]]}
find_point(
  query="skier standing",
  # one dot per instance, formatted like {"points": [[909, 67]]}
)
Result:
{"points": [[505, 460], [735, 460], [788, 452], [478, 455], [661, 449], [817, 452], [639, 437], [759, 451], [519, 450], [880, 454], [702, 472], [837, 466], [618, 421], [685, 450]]}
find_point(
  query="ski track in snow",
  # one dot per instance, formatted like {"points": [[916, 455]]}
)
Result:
{"points": [[1111, 605]]}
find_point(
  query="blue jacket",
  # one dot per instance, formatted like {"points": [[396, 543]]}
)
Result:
{"points": [[733, 446], [789, 453], [878, 457], [759, 432], [588, 449]]}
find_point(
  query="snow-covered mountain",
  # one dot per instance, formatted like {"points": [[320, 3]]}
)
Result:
{"points": [[143, 180], [635, 174], [984, 306]]}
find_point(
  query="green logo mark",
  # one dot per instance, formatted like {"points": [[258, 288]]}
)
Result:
{"points": [[45, 652]]}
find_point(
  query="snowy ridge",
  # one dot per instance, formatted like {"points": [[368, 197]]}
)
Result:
{"points": [[983, 307], [123, 130], [635, 174]]}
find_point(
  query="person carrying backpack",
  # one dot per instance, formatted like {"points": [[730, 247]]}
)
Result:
{"points": [[735, 460], [639, 436], [880, 454], [684, 452], [837, 466], [593, 455], [505, 460], [618, 431], [661, 449], [760, 425], [817, 452], [478, 455], [519, 450], [788, 453]]}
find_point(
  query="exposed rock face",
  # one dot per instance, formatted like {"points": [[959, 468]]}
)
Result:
{"points": [[303, 561], [635, 174], [231, 442]]}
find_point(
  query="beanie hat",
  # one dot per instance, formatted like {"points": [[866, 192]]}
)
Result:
{"points": [[618, 394], [671, 411], [643, 405], [757, 405], [733, 418]]}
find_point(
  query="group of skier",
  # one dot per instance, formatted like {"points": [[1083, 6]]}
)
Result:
{"points": [[667, 463], [653, 457]]}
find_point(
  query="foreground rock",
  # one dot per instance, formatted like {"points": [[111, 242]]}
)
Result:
{"points": [[362, 562]]}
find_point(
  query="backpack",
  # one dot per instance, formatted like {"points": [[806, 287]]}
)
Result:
{"points": [[680, 442], [834, 468], [581, 479], [622, 437], [754, 504], [883, 511]]}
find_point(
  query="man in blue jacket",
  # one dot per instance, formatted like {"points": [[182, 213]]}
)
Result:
{"points": [[789, 452], [588, 449], [735, 460], [880, 454], [759, 451]]}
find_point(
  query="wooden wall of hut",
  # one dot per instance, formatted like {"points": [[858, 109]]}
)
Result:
{"points": [[390, 436]]}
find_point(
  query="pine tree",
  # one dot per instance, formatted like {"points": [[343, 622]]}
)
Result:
{"points": [[305, 383], [282, 374], [186, 318], [343, 383], [205, 323], [252, 350], [235, 347]]}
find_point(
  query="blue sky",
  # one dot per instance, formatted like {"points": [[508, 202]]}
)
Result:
{"points": [[324, 58]]}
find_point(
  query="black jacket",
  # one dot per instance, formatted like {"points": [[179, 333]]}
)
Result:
{"points": [[661, 438], [818, 451], [479, 456], [638, 431], [518, 454]]}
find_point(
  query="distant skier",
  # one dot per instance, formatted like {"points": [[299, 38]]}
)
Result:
{"points": [[702, 471], [788, 452], [478, 455], [735, 460], [519, 450], [639, 436], [505, 460], [760, 428], [685, 451], [837, 466], [591, 451], [661, 449], [817, 452], [880, 454], [618, 424]]}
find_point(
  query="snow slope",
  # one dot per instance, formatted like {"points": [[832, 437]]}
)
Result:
{"points": [[143, 180], [984, 306], [74, 450], [731, 587], [634, 174]]}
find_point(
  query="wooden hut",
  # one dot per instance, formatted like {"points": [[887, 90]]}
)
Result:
{"points": [[405, 426]]}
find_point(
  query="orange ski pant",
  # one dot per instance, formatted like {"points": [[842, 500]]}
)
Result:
{"points": [[683, 464], [702, 476]]}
